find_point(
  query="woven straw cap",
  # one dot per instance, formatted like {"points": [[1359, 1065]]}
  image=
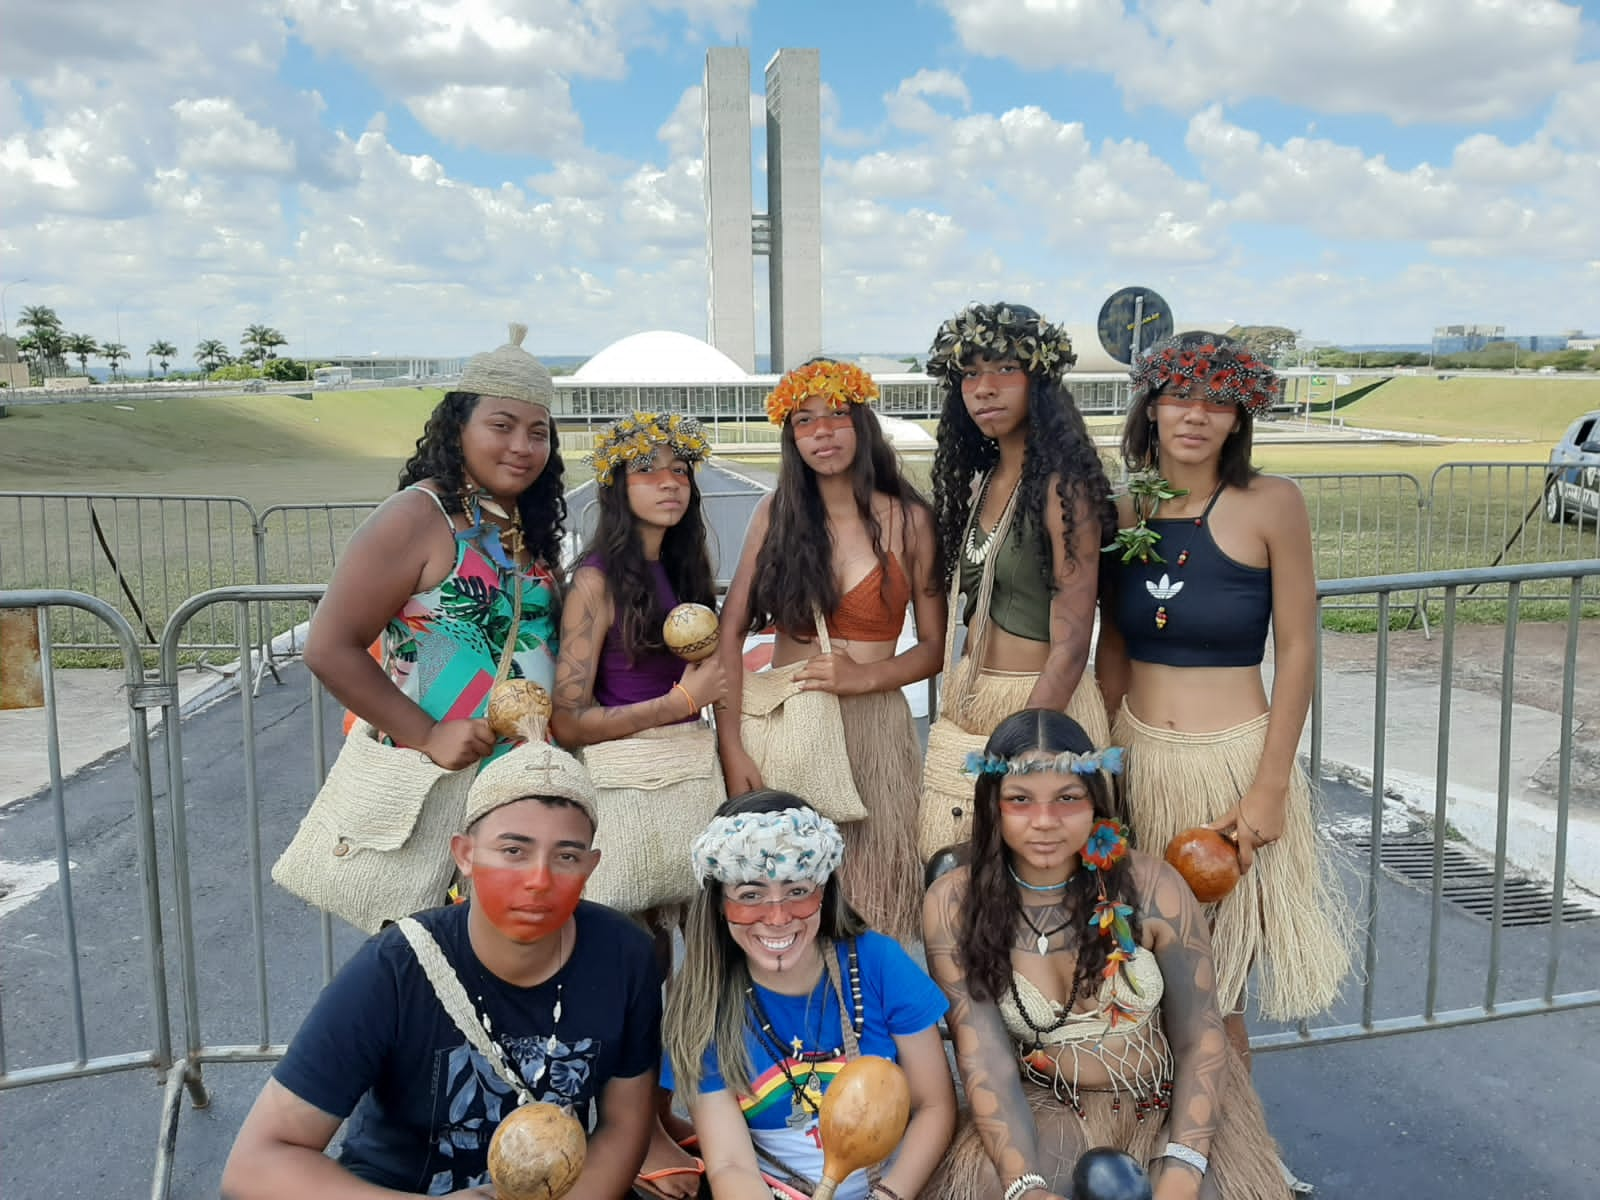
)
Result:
{"points": [[525, 772], [510, 371]]}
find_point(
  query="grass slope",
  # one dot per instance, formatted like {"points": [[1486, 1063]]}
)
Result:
{"points": [[1538, 408]]}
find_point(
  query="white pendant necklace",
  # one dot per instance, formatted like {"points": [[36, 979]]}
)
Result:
{"points": [[979, 545]]}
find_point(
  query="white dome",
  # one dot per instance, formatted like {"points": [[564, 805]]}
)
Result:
{"points": [[905, 435], [660, 356]]}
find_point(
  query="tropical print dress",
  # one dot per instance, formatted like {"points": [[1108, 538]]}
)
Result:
{"points": [[443, 647]]}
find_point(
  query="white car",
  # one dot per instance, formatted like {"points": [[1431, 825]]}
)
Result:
{"points": [[1573, 486]]}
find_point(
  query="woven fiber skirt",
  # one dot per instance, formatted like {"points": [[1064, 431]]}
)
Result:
{"points": [[1288, 914], [1244, 1158], [881, 873]]}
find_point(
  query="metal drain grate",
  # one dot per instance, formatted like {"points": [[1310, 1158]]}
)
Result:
{"points": [[1469, 884]]}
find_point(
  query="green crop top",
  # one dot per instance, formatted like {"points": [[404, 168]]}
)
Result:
{"points": [[1020, 601]]}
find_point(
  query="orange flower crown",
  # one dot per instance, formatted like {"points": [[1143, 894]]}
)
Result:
{"points": [[838, 383]]}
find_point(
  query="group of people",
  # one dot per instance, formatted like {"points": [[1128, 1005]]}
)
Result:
{"points": [[1089, 998]]}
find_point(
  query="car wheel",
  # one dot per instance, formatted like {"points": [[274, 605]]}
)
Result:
{"points": [[1555, 506]]}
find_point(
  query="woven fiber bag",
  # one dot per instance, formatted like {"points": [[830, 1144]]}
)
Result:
{"points": [[944, 816], [375, 844], [796, 738], [655, 792]]}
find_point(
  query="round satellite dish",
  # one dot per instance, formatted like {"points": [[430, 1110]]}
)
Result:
{"points": [[1117, 317]]}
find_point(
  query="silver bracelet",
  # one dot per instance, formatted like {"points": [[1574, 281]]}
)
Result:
{"points": [[1187, 1156], [1023, 1184]]}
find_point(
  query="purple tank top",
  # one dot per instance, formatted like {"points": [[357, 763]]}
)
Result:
{"points": [[652, 673]]}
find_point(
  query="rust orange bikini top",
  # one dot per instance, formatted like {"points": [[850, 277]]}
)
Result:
{"points": [[875, 609]]}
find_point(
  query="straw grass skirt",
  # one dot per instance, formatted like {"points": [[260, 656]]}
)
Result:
{"points": [[654, 793], [1244, 1158], [1288, 914], [881, 873], [973, 703]]}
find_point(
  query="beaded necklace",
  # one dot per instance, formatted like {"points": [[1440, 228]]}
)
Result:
{"points": [[977, 551], [804, 1106]]}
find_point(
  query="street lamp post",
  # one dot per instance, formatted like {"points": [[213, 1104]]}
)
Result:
{"points": [[5, 328]]}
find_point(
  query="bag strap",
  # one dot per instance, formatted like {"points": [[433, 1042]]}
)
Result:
{"points": [[453, 997], [847, 1030], [978, 628], [822, 630], [507, 651]]}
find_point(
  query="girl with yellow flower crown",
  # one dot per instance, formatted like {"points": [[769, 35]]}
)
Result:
{"points": [[629, 704], [831, 560]]}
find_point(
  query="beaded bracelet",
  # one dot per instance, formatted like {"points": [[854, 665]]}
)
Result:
{"points": [[1023, 1184], [1186, 1155]]}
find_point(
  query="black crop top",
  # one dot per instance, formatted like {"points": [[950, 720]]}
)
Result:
{"points": [[1209, 612]]}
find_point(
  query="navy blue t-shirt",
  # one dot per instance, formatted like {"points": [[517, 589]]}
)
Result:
{"points": [[379, 1048]]}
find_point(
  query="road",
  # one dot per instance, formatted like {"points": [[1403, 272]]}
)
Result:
{"points": [[1493, 1110]]}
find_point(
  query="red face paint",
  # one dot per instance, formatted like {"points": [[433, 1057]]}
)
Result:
{"points": [[526, 903]]}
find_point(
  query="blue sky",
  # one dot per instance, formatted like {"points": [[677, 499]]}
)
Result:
{"points": [[407, 175]]}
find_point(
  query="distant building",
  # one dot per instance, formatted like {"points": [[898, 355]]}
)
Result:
{"points": [[1463, 339], [405, 367], [674, 372], [789, 233]]}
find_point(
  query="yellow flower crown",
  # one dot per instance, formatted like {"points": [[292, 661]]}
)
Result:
{"points": [[838, 383], [631, 443]]}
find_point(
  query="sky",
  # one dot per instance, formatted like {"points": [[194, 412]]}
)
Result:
{"points": [[406, 176]]}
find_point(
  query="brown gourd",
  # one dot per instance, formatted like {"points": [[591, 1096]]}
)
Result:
{"points": [[536, 1153], [690, 632], [864, 1115], [1208, 862], [518, 709]]}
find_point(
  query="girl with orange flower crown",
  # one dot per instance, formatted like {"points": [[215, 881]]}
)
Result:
{"points": [[1023, 507], [1083, 1004], [832, 559]]}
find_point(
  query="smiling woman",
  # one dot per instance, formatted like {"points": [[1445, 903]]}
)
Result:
{"points": [[449, 587]]}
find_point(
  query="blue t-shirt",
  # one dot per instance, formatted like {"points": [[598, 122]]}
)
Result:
{"points": [[379, 1045], [898, 999]]}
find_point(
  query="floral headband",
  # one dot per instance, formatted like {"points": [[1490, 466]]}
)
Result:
{"points": [[793, 845], [838, 383], [1214, 368], [998, 331], [1108, 760], [631, 442]]}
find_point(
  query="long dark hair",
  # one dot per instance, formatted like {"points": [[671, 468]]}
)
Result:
{"points": [[707, 1001], [990, 916], [617, 545], [543, 506], [794, 567], [1058, 443]]}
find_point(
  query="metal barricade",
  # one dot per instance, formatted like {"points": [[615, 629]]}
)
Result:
{"points": [[1504, 514], [1366, 524], [142, 553], [299, 543], [228, 801], [1386, 967], [59, 1023]]}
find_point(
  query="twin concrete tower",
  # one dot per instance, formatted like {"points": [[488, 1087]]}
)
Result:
{"points": [[789, 233]]}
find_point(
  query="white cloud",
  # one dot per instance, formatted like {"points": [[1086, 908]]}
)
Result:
{"points": [[1464, 210], [537, 120], [215, 136], [1410, 60]]}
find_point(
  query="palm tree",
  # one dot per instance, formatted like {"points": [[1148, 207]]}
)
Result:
{"points": [[42, 322], [80, 346], [210, 354], [163, 352], [28, 352], [259, 342], [113, 353]]}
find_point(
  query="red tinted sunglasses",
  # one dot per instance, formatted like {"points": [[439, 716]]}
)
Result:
{"points": [[772, 912]]}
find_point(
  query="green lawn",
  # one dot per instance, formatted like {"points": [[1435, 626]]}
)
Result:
{"points": [[1534, 407], [347, 446]]}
